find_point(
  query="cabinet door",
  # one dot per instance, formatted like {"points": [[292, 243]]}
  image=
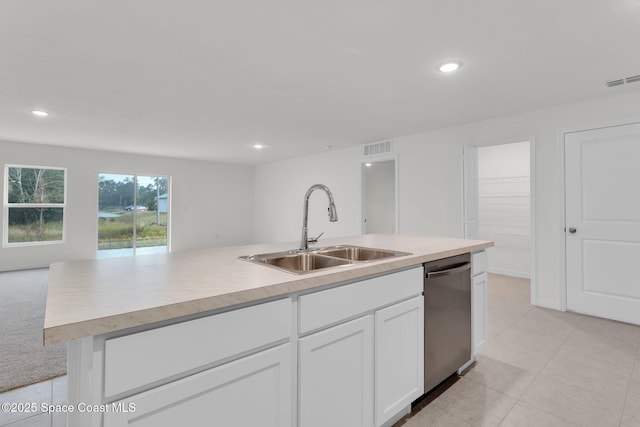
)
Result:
{"points": [[399, 357], [336, 376], [252, 391], [479, 312]]}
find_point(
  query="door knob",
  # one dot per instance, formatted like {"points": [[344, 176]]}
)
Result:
{"points": [[572, 230]]}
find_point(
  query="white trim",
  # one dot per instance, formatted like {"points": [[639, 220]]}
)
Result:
{"points": [[607, 124], [533, 239], [503, 141], [24, 267], [463, 198], [562, 199], [502, 272], [169, 210], [377, 159], [469, 189], [6, 206], [532, 196], [7, 245], [548, 303], [134, 234], [361, 205]]}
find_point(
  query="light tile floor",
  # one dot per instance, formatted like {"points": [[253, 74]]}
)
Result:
{"points": [[541, 368], [51, 392]]}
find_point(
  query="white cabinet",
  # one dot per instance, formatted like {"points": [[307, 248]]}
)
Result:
{"points": [[336, 376], [479, 322], [479, 304], [200, 372], [331, 306], [251, 391], [339, 385], [399, 361], [350, 355]]}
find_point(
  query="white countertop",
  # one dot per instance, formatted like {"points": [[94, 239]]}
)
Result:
{"points": [[93, 297]]}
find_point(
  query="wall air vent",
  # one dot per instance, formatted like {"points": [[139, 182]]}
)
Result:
{"points": [[377, 148], [620, 82]]}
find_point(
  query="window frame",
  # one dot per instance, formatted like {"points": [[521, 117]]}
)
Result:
{"points": [[6, 206]]}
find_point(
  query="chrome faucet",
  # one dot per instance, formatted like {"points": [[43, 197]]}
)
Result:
{"points": [[333, 215]]}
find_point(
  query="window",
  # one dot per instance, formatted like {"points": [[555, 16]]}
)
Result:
{"points": [[133, 215], [34, 204]]}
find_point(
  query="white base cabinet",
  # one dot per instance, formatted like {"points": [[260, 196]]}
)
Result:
{"points": [[252, 391], [479, 321], [336, 376], [479, 304], [362, 372], [351, 356], [399, 364]]}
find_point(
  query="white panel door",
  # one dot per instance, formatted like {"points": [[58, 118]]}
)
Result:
{"points": [[399, 357], [336, 376], [602, 169], [479, 321]]}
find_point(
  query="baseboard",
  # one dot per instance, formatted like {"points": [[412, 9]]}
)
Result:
{"points": [[548, 303], [389, 423], [23, 267], [511, 273]]}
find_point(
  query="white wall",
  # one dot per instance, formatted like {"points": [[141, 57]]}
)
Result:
{"points": [[279, 195], [504, 207], [504, 160], [212, 203], [430, 180]]}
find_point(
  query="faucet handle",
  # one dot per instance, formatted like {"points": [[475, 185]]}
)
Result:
{"points": [[315, 239]]}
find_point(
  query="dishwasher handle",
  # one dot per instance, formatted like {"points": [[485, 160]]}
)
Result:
{"points": [[449, 271]]}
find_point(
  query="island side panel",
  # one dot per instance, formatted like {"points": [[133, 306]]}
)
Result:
{"points": [[84, 376]]}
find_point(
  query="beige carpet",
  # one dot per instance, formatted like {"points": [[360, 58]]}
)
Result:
{"points": [[23, 358]]}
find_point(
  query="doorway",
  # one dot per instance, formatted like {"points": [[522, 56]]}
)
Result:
{"points": [[379, 195], [499, 205], [602, 221]]}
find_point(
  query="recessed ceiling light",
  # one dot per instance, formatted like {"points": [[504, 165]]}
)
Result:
{"points": [[258, 146], [39, 113], [368, 165], [449, 66]]}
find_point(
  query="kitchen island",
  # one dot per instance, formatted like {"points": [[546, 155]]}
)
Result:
{"points": [[196, 337]]}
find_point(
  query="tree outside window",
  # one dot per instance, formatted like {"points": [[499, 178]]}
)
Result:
{"points": [[34, 205]]}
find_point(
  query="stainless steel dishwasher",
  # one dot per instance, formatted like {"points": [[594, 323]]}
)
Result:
{"points": [[447, 318]]}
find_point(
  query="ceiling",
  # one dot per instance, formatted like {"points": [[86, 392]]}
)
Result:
{"points": [[207, 79]]}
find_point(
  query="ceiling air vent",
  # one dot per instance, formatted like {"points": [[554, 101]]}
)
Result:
{"points": [[377, 148], [632, 79], [612, 83], [619, 82]]}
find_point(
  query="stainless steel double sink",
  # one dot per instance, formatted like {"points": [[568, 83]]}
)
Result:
{"points": [[301, 262]]}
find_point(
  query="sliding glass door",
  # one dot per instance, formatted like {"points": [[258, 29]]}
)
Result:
{"points": [[133, 215]]}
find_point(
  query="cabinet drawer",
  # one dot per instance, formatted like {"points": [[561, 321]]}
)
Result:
{"points": [[251, 391], [478, 263], [333, 305], [143, 358]]}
